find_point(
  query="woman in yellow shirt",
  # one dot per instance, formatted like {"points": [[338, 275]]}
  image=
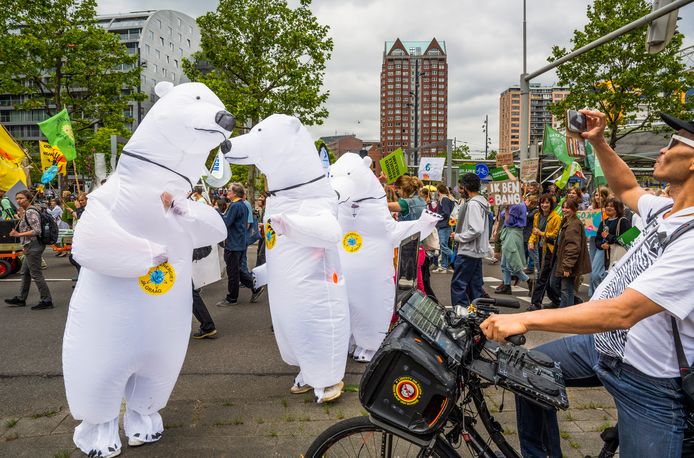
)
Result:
{"points": [[546, 224]]}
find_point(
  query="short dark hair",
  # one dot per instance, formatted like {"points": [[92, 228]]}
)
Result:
{"points": [[617, 204], [470, 182], [570, 203], [547, 198], [26, 193]]}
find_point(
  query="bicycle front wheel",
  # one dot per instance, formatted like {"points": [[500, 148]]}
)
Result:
{"points": [[358, 437]]}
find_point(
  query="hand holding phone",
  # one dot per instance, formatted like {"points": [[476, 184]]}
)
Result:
{"points": [[575, 121]]}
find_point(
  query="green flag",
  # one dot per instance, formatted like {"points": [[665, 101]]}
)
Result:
{"points": [[394, 165], [58, 131], [593, 165], [554, 143]]}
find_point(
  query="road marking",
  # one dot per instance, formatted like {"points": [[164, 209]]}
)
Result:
{"points": [[491, 280], [524, 299], [17, 280]]}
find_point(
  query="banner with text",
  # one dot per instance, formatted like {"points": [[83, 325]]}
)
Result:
{"points": [[496, 173], [504, 159], [51, 155], [529, 169], [504, 192], [394, 165], [591, 221], [431, 168]]}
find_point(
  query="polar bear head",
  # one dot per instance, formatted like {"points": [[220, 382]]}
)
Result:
{"points": [[183, 126], [281, 147], [351, 177]]}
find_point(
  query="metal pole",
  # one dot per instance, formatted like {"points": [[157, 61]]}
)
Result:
{"points": [[449, 158], [486, 136], [416, 108], [525, 77]]}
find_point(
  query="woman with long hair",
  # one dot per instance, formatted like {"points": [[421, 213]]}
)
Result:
{"points": [[546, 225], [609, 230], [597, 202]]}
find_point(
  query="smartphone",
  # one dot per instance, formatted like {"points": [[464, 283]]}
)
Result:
{"points": [[575, 121]]}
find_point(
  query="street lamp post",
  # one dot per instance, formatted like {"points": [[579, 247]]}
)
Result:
{"points": [[485, 127], [417, 74]]}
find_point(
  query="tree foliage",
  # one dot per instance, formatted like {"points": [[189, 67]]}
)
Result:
{"points": [[620, 78], [263, 57], [56, 56], [459, 152]]}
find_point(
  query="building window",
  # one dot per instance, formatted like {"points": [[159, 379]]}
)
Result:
{"points": [[188, 41], [154, 68], [178, 21], [168, 61], [157, 53], [147, 49], [163, 71], [161, 41], [180, 38], [159, 24], [180, 51], [176, 62], [171, 47], [170, 31], [150, 35]]}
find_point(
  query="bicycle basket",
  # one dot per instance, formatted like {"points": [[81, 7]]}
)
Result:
{"points": [[407, 383]]}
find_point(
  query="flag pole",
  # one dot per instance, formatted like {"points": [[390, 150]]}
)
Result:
{"points": [[77, 181]]}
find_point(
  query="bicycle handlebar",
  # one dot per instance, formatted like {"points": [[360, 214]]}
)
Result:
{"points": [[498, 301]]}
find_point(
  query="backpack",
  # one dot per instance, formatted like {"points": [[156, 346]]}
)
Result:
{"points": [[49, 228]]}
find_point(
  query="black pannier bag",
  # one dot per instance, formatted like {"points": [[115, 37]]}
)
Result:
{"points": [[407, 384]]}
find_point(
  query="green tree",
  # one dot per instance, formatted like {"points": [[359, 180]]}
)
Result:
{"points": [[56, 56], [620, 78], [461, 152], [491, 155], [263, 57]]}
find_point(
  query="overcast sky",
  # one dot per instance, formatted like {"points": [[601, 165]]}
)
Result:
{"points": [[483, 41]]}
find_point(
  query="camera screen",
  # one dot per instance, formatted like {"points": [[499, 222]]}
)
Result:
{"points": [[577, 121]]}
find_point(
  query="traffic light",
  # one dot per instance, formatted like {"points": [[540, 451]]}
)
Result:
{"points": [[661, 30]]}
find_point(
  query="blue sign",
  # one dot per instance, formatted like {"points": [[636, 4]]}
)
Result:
{"points": [[481, 170]]}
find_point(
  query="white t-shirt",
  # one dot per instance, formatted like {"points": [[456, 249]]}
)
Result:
{"points": [[666, 278]]}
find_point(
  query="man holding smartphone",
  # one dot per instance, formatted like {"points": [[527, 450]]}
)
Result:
{"points": [[625, 332]]}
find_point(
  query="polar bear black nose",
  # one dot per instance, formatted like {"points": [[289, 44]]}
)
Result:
{"points": [[225, 120]]}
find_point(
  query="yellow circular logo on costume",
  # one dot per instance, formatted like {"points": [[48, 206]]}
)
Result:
{"points": [[158, 280], [270, 236], [407, 390], [351, 242]]}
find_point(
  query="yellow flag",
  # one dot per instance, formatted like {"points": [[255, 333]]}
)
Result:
{"points": [[51, 155], [11, 155]]}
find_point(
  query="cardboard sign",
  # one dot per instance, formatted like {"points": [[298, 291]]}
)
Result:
{"points": [[394, 165], [591, 221], [431, 168], [529, 169], [504, 159], [504, 192]]}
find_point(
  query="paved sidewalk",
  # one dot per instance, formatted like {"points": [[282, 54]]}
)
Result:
{"points": [[232, 399]]}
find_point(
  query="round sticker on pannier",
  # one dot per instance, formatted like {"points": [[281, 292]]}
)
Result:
{"points": [[407, 390]]}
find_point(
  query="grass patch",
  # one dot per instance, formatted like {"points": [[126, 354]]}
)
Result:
{"points": [[352, 388], [45, 413], [11, 437], [173, 426], [574, 444], [272, 433], [602, 427], [304, 418], [308, 400], [339, 414], [62, 454], [363, 413], [234, 421], [260, 421], [11, 423], [238, 421], [569, 417], [326, 408], [564, 435], [509, 431], [285, 403], [289, 418], [228, 404]]}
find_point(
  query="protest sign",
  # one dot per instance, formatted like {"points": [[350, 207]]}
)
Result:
{"points": [[504, 192], [628, 237], [529, 169], [394, 165], [504, 159], [51, 155], [591, 221], [431, 168]]}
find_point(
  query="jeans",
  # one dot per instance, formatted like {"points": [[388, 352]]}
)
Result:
{"points": [[235, 274], [530, 256], [201, 313], [543, 280], [467, 273], [31, 269], [650, 410], [564, 286], [507, 272], [444, 240], [597, 261]]}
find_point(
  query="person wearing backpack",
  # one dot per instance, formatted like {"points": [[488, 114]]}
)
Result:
{"points": [[30, 232]]}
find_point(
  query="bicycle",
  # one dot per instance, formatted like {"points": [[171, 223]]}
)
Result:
{"points": [[408, 423]]}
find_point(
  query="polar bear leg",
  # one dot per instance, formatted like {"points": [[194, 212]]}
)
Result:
{"points": [[144, 397], [98, 439]]}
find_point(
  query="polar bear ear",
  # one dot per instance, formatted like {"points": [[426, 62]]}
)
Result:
{"points": [[163, 88], [367, 161], [295, 124]]}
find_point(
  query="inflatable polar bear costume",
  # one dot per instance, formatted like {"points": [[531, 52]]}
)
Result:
{"points": [[128, 324], [306, 288], [369, 236]]}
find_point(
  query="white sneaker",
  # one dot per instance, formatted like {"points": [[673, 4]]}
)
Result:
{"points": [[331, 393], [438, 270], [135, 442]]}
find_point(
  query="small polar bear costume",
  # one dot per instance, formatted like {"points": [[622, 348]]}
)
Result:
{"points": [[306, 287], [129, 322], [369, 236]]}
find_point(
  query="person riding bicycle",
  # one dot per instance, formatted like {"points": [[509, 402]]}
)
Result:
{"points": [[625, 333]]}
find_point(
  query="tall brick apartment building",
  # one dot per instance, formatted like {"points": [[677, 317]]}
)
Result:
{"points": [[406, 64], [509, 114]]}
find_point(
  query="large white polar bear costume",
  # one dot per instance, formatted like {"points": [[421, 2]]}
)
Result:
{"points": [[128, 324], [306, 287], [369, 236]]}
